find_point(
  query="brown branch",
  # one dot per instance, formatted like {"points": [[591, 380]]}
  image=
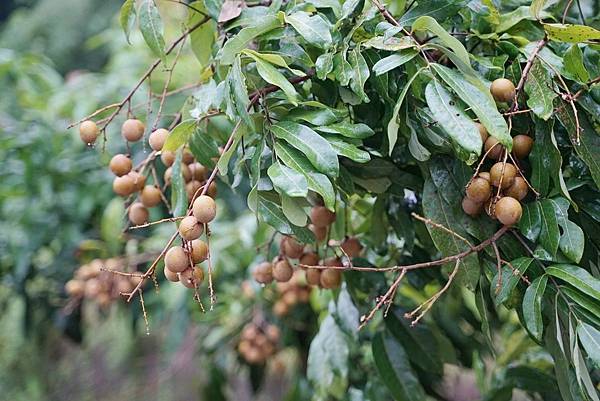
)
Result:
{"points": [[152, 223], [385, 298], [498, 267], [586, 87], [526, 70], [441, 227]]}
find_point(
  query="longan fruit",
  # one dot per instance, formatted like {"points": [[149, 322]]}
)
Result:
{"points": [[282, 271], [280, 308], [495, 153], [263, 273], [124, 286], [124, 186], [508, 211], [490, 208], [319, 232], [192, 187], [503, 90], [313, 276], [471, 207], [485, 175], [92, 288], [482, 132], [187, 157], [75, 288], [171, 276], [291, 248], [508, 177], [120, 164], [522, 145], [212, 190], [139, 180], [321, 217], [135, 278], [244, 346], [191, 278], [204, 209], [272, 332], [167, 157], [167, 175], [352, 247], [190, 229], [158, 138], [309, 259], [250, 332], [150, 196], [290, 298], [199, 251], [185, 172], [333, 261], [518, 189], [88, 132], [177, 259], [330, 278], [138, 214], [198, 171], [479, 190], [133, 130]]}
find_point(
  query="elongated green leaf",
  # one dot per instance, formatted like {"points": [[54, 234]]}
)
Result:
{"points": [[270, 74], [237, 99], [440, 10], [574, 65], [571, 33], [313, 28], [315, 147], [239, 42], [272, 214], [430, 24], [578, 277], [223, 163], [394, 61], [572, 240], [204, 148], [342, 68], [180, 135], [484, 314], [360, 73], [536, 7], [179, 196], [348, 150], [590, 339], [127, 18], [151, 27], [479, 102], [588, 303], [531, 221], [203, 37], [320, 116], [349, 130], [293, 211], [324, 65], [539, 90], [532, 306], [510, 278], [549, 234], [391, 44], [288, 181]]}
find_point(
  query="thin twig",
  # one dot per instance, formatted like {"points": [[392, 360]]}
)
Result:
{"points": [[498, 267], [152, 223], [166, 86], [365, 319], [441, 227], [526, 70]]}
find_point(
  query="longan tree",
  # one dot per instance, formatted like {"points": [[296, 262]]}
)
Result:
{"points": [[433, 164]]}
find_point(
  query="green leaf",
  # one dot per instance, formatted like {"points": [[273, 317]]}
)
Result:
{"points": [[453, 119], [572, 240], [324, 65], [318, 151], [317, 182], [287, 180], [549, 233], [270, 74], [530, 224], [482, 310], [349, 130], [342, 68], [348, 150], [430, 24], [202, 38], [321, 116], [536, 7], [480, 103], [179, 196], [571, 33], [577, 277], [180, 135], [111, 224], [204, 148], [391, 44], [532, 306], [242, 39], [293, 211], [272, 214], [510, 279], [573, 62], [360, 73], [223, 163], [237, 101], [313, 28], [151, 27], [539, 91], [439, 10], [590, 339], [393, 366], [388, 63], [127, 18]]}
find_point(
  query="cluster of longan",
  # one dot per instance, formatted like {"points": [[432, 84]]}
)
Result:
{"points": [[258, 342], [291, 293], [499, 190], [91, 282]]}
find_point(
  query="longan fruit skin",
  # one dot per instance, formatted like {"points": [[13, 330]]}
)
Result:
{"points": [[123, 186], [495, 153], [482, 132], [190, 229], [485, 175], [506, 171], [332, 261], [319, 232], [138, 214], [150, 196], [479, 190], [120, 165], [187, 157], [281, 308], [204, 209], [167, 175], [471, 207], [330, 278], [522, 145], [167, 157], [139, 181], [352, 247], [133, 130], [75, 288], [177, 259], [198, 171], [518, 189], [291, 248], [508, 211], [309, 259], [88, 132], [503, 90], [186, 278], [282, 271], [321, 217], [158, 138], [212, 190], [313, 276], [199, 251], [192, 187], [170, 275], [263, 273]]}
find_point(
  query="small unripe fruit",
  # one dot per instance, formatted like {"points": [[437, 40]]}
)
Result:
{"points": [[482, 132], [168, 158], [471, 207], [313, 276], [158, 138], [171, 276], [503, 90], [132, 130], [123, 186], [204, 209], [479, 190], [282, 271], [120, 164], [518, 189], [309, 259], [331, 278], [504, 171], [138, 180], [138, 214], [187, 157], [321, 217], [198, 171], [319, 232], [88, 132], [485, 175], [522, 145], [508, 211], [495, 153], [291, 248], [150, 196], [263, 273], [177, 259], [190, 229], [352, 247], [199, 251], [192, 187]]}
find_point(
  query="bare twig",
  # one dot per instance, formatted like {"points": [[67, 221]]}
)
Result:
{"points": [[441, 227], [152, 223], [166, 86], [526, 70], [498, 267], [382, 300]]}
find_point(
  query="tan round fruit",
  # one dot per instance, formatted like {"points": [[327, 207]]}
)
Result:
{"points": [[508, 211], [177, 259], [282, 271], [204, 209], [138, 214], [250, 332], [319, 232], [281, 309], [167, 157], [309, 259], [522, 145], [490, 208], [332, 261], [191, 278], [503, 90], [133, 130], [505, 172], [158, 138], [190, 228], [212, 190], [497, 150], [167, 175], [352, 247], [290, 298], [187, 157], [199, 251], [192, 187], [123, 186], [171, 276], [150, 196], [485, 175], [75, 288], [291, 248], [518, 189], [120, 164], [479, 190], [263, 273], [138, 180], [313, 276], [471, 207], [321, 217], [272, 332], [88, 132], [185, 172], [482, 132], [198, 171], [331, 278]]}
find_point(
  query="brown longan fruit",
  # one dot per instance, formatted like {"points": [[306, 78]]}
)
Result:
{"points": [[495, 153], [479, 190], [272, 332], [282, 271], [133, 130], [190, 229], [309, 259], [199, 251], [313, 276], [158, 138], [167, 175], [171, 276], [250, 332], [506, 171], [482, 132], [319, 232], [503, 90], [332, 261], [88, 132], [75, 288], [167, 157], [321, 217], [123, 186], [191, 278], [263, 273], [485, 175], [290, 298], [138, 214], [139, 180], [508, 211], [150, 196], [177, 259], [522, 145], [212, 190], [198, 171], [471, 207], [490, 208], [331, 278], [291, 248], [185, 172], [204, 209], [120, 164], [187, 157], [352, 247], [518, 189], [280, 308], [192, 187]]}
